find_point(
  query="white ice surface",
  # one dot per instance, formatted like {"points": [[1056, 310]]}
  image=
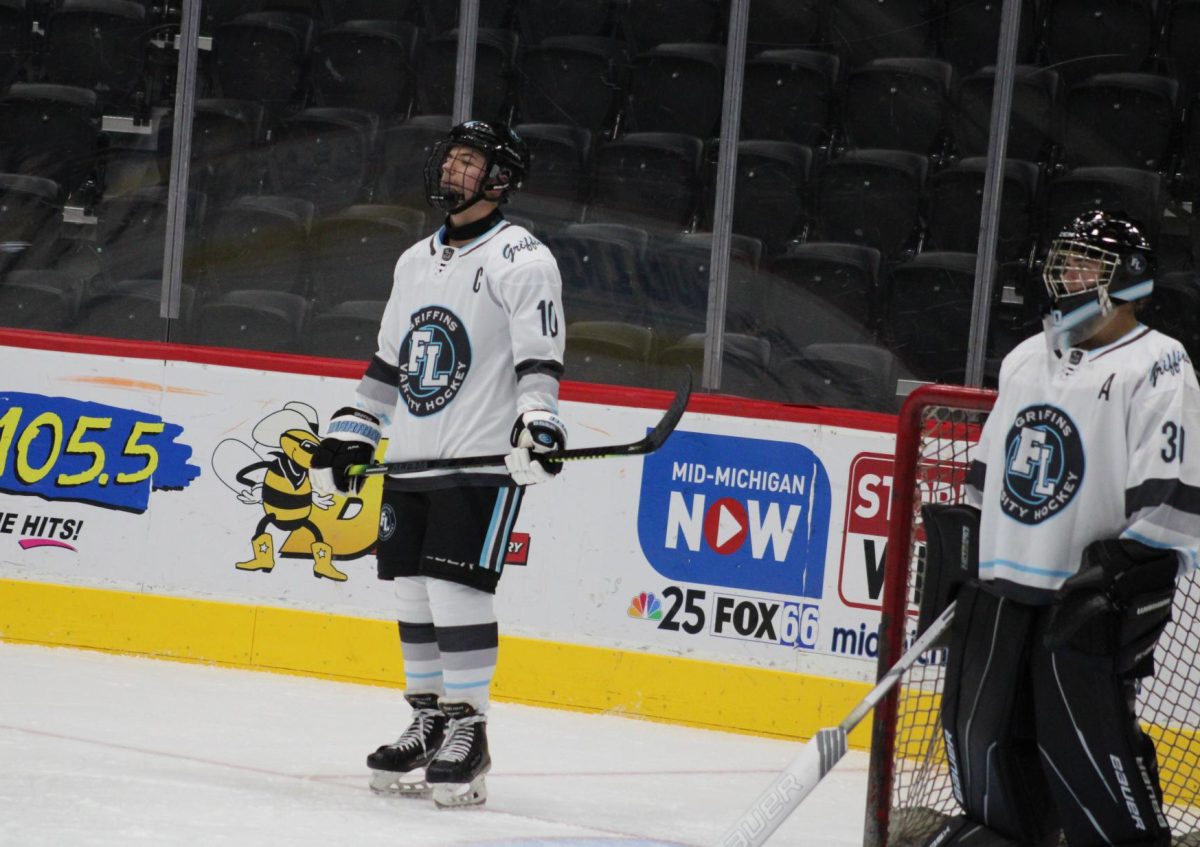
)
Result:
{"points": [[115, 751]]}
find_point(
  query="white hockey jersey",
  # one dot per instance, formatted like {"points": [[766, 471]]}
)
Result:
{"points": [[1088, 446], [471, 337]]}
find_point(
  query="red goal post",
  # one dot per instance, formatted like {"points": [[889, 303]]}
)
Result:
{"points": [[937, 427], [908, 788]]}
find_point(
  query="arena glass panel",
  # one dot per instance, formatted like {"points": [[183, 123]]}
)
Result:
{"points": [[84, 160]]}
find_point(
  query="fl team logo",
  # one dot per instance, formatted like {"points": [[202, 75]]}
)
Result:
{"points": [[753, 515], [1043, 464], [435, 358]]}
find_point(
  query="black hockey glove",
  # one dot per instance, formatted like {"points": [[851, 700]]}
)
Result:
{"points": [[350, 440], [1117, 605], [537, 431]]}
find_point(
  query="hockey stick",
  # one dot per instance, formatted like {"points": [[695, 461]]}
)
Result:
{"points": [[653, 440], [821, 753]]}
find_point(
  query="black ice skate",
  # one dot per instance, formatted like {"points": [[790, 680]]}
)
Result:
{"points": [[456, 772], [399, 767]]}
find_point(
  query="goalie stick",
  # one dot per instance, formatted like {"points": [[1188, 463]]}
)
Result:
{"points": [[653, 440], [821, 753]]}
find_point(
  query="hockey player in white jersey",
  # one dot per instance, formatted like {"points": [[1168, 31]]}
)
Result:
{"points": [[1090, 507], [469, 360]]}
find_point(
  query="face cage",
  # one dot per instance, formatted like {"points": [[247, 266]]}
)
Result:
{"points": [[452, 202], [1069, 256]]}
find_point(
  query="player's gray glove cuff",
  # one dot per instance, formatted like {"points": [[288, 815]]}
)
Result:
{"points": [[536, 431], [350, 440]]}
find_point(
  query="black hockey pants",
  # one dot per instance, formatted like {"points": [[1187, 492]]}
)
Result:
{"points": [[1039, 739]]}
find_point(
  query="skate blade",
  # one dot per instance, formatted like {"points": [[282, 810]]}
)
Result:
{"points": [[400, 784], [460, 795]]}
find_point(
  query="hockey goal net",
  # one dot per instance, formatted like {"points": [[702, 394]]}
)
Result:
{"points": [[909, 791]]}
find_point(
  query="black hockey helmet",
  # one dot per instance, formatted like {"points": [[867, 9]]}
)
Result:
{"points": [[507, 163], [1099, 256]]}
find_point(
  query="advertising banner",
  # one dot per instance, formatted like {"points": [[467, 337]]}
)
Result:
{"points": [[744, 540]]}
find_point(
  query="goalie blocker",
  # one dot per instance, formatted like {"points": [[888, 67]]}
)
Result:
{"points": [[1038, 704]]}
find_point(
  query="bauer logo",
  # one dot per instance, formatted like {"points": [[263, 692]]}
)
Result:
{"points": [[752, 515]]}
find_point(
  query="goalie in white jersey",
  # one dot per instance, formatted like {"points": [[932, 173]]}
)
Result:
{"points": [[1090, 507], [469, 360]]}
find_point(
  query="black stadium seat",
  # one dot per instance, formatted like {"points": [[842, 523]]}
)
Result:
{"points": [[601, 265], [346, 330], [353, 252], [1124, 119], [262, 56], [101, 45], [495, 56], [324, 155], [822, 292], [648, 23], [366, 64], [374, 10], [557, 183], [40, 299], [50, 131], [611, 352], [253, 320], [228, 156], [677, 87], [956, 204], [779, 24], [971, 34], [131, 232], [854, 191], [1032, 121], [538, 20], [772, 198], [131, 309], [647, 178], [577, 80], [406, 146], [1179, 54], [898, 104], [843, 375], [789, 96], [928, 315], [862, 30], [1086, 37], [257, 242], [15, 34], [29, 207]]}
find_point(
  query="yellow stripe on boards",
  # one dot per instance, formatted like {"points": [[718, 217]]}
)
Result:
{"points": [[543, 673]]}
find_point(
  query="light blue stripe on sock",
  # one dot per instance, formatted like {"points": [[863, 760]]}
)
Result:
{"points": [[423, 675], [480, 684]]}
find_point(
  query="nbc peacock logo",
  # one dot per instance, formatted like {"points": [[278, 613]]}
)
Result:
{"points": [[645, 606]]}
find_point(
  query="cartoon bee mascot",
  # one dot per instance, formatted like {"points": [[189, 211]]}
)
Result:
{"points": [[280, 483]]}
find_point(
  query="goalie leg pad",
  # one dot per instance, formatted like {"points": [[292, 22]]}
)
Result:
{"points": [[987, 718], [962, 831], [1102, 769], [951, 557]]}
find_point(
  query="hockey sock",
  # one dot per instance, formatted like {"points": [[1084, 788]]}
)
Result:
{"points": [[468, 638]]}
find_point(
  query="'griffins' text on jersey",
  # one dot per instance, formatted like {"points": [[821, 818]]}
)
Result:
{"points": [[434, 360], [1044, 463]]}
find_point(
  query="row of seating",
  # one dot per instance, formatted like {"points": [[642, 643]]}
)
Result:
{"points": [[931, 313]]}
